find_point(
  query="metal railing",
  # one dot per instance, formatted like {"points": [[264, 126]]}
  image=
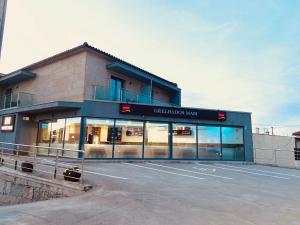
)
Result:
{"points": [[19, 156], [15, 100], [123, 95]]}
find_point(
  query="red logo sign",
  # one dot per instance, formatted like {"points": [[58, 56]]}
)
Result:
{"points": [[125, 108], [221, 116]]}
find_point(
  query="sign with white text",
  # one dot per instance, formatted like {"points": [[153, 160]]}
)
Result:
{"points": [[161, 111], [8, 123]]}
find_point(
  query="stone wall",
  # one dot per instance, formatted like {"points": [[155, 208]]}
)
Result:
{"points": [[60, 80], [17, 189]]}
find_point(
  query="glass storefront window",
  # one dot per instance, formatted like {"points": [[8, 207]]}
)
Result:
{"points": [[44, 137], [128, 139], [232, 143], [72, 136], [57, 135], [184, 141], [98, 138], [209, 139], [156, 140]]}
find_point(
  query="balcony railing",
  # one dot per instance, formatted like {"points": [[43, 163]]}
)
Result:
{"points": [[123, 95], [16, 100]]}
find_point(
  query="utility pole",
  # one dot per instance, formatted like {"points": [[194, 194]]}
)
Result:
{"points": [[272, 130], [3, 4]]}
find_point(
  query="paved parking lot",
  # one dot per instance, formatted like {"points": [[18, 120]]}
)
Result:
{"points": [[172, 193]]}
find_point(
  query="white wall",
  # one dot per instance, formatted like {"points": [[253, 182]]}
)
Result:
{"points": [[274, 150]]}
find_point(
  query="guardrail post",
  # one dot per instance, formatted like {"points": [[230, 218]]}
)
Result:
{"points": [[56, 161], [35, 157], [82, 162], [2, 152], [16, 161]]}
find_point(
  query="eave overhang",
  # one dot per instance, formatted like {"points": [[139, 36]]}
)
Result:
{"points": [[16, 77], [141, 75]]}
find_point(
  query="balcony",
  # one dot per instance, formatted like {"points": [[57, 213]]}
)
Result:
{"points": [[16, 100], [123, 95]]}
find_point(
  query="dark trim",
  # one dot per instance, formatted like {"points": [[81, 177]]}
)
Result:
{"points": [[143, 148], [221, 145], [113, 139], [82, 136], [170, 140]]}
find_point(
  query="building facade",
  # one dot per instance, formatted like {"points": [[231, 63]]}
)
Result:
{"points": [[87, 99]]}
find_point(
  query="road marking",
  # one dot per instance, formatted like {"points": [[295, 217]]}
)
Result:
{"points": [[189, 171], [244, 171], [265, 171], [178, 174], [105, 175]]}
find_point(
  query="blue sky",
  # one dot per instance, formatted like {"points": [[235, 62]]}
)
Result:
{"points": [[235, 55]]}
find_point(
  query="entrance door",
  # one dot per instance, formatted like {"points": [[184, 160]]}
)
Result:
{"points": [[44, 137], [209, 142], [115, 90], [57, 136]]}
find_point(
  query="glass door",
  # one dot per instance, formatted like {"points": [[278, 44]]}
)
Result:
{"points": [[57, 136], [8, 98], [209, 142], [115, 90], [44, 137]]}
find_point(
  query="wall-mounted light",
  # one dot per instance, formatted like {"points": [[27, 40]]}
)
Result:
{"points": [[26, 118]]}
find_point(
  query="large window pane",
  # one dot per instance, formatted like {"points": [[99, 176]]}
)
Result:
{"points": [[184, 141], [57, 135], [209, 139], [156, 140], [232, 143], [72, 136], [98, 138], [128, 139], [44, 137]]}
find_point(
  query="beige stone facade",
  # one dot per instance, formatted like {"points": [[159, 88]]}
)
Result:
{"points": [[73, 78]]}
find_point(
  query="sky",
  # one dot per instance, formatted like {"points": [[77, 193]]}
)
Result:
{"points": [[240, 55]]}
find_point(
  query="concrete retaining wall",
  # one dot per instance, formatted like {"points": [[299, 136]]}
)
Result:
{"points": [[16, 188], [274, 150]]}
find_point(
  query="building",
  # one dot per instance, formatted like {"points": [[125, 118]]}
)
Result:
{"points": [[87, 99], [277, 150], [3, 4]]}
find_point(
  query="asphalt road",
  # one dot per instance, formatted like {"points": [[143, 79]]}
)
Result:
{"points": [[172, 193]]}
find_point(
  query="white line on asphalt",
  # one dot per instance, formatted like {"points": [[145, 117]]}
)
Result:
{"points": [[178, 174], [105, 175], [265, 171], [189, 171], [244, 171]]}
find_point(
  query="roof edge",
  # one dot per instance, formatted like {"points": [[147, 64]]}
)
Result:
{"points": [[81, 48]]}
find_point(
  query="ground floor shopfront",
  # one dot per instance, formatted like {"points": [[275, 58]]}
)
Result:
{"points": [[127, 131]]}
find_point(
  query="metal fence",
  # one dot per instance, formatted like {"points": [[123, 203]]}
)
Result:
{"points": [[27, 158]]}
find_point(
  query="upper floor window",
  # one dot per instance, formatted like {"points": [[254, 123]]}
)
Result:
{"points": [[115, 90]]}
